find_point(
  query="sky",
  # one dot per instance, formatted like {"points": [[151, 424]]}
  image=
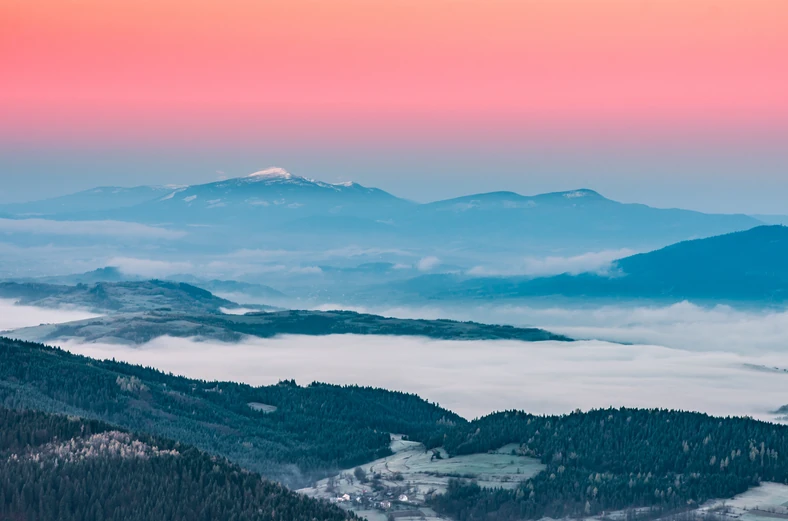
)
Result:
{"points": [[667, 102]]}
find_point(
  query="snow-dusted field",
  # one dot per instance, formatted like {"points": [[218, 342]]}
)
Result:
{"points": [[415, 473], [767, 502]]}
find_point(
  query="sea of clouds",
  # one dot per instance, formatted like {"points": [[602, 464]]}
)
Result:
{"points": [[13, 316], [719, 360], [479, 377]]}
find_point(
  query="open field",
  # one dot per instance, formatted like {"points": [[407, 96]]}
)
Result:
{"points": [[405, 479], [765, 503]]}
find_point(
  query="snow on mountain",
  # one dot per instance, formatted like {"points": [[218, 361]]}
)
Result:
{"points": [[271, 173]]}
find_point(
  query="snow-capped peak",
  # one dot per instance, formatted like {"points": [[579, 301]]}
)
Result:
{"points": [[273, 172]]}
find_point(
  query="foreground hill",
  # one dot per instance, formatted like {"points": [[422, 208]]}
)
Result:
{"points": [[138, 328], [617, 459], [117, 297], [54, 467], [748, 266], [288, 433], [594, 461]]}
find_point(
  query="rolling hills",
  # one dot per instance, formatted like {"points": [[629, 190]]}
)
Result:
{"points": [[314, 429], [597, 461]]}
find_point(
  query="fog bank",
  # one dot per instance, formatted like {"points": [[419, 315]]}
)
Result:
{"points": [[682, 325], [475, 378], [15, 317]]}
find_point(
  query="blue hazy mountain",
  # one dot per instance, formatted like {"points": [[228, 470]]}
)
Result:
{"points": [[271, 195], [579, 217], [772, 218], [99, 199], [748, 265], [290, 211], [112, 274]]}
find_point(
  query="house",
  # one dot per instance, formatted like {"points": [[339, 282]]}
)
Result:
{"points": [[403, 498]]}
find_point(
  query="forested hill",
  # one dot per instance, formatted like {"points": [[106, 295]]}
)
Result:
{"points": [[312, 431], [117, 297], [595, 461], [138, 328], [54, 467], [616, 459]]}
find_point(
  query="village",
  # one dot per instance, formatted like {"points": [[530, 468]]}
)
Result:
{"points": [[401, 485]]}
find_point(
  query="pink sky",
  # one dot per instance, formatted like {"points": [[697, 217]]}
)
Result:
{"points": [[497, 70]]}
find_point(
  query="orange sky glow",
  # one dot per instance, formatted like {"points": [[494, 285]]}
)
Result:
{"points": [[487, 69]]}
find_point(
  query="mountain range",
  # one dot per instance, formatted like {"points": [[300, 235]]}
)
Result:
{"points": [[285, 209]]}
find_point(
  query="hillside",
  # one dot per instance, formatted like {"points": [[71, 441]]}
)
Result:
{"points": [[311, 431], [117, 297], [614, 459], [139, 328], [594, 461], [272, 194], [102, 198], [66, 468], [578, 217], [741, 266]]}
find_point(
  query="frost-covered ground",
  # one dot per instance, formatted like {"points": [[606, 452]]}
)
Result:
{"points": [[767, 502], [407, 477]]}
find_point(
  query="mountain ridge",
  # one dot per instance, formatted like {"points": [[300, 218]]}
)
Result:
{"points": [[745, 265]]}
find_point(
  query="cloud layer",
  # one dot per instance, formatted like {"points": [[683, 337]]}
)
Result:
{"points": [[682, 325], [600, 262], [89, 228], [15, 317], [475, 378]]}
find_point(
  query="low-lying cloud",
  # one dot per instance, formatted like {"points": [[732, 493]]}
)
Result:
{"points": [[601, 262], [16, 317], [717, 360], [682, 325], [149, 267], [87, 228], [428, 263], [475, 378]]}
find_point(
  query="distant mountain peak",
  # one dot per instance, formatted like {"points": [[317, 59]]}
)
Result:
{"points": [[583, 192], [273, 172], [276, 174]]}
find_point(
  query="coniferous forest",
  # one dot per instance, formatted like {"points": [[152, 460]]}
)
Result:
{"points": [[615, 459], [55, 467], [596, 461]]}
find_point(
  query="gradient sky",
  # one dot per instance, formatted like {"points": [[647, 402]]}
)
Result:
{"points": [[669, 102]]}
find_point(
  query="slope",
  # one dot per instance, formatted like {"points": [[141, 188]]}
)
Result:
{"points": [[54, 467], [139, 328], [311, 431], [741, 266]]}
